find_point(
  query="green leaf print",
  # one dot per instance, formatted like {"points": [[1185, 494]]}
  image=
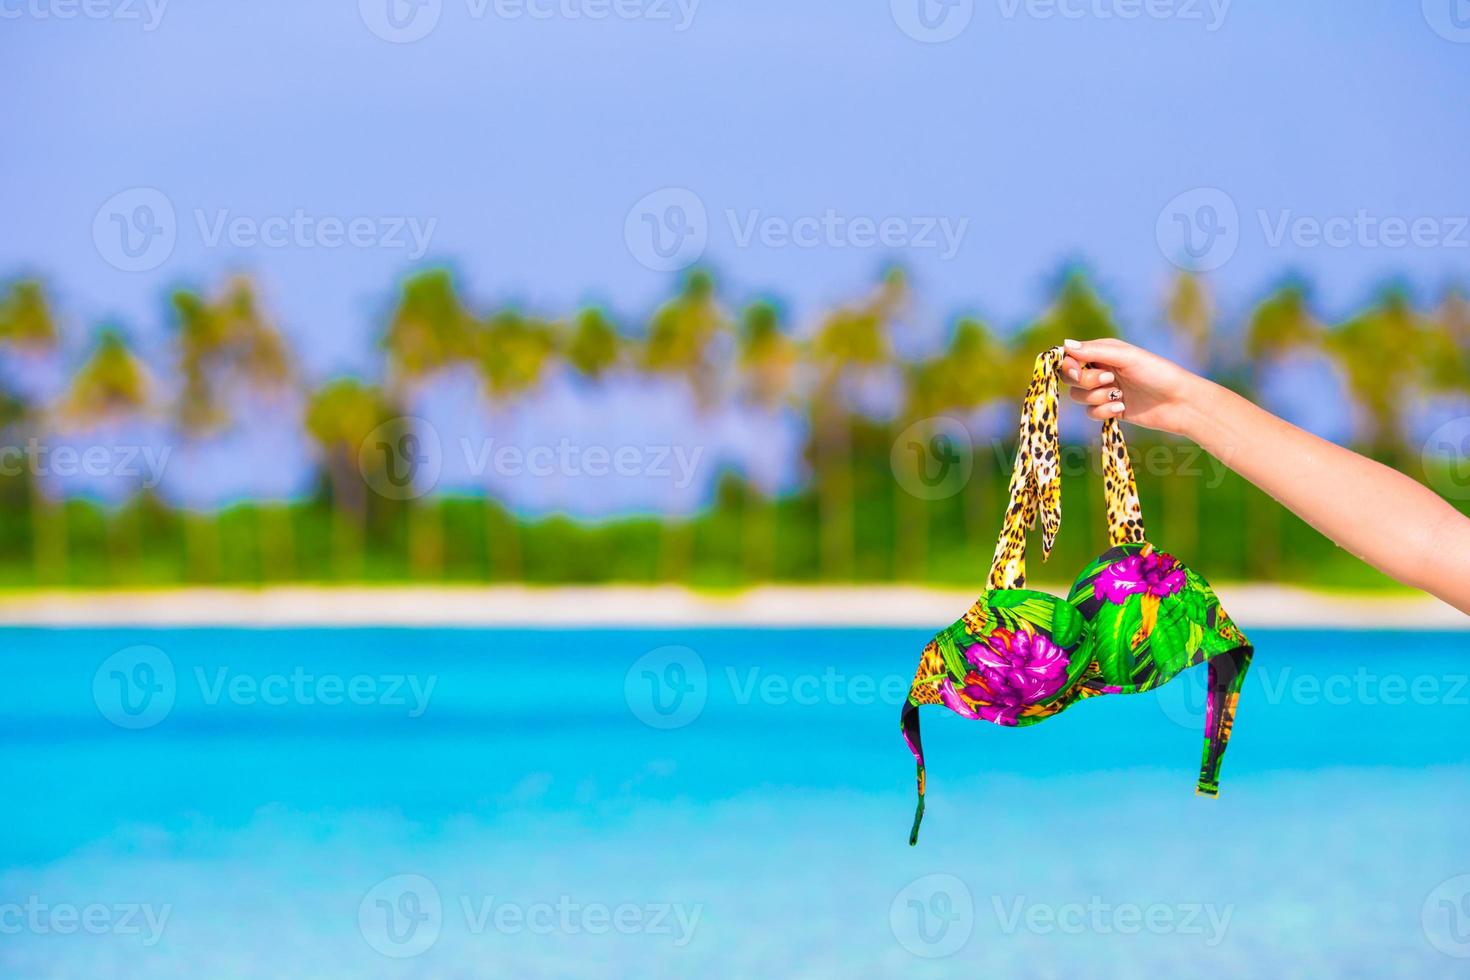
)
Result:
{"points": [[1169, 642], [1066, 624], [954, 662], [1112, 633]]}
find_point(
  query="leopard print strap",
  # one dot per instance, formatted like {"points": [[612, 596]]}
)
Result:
{"points": [[1036, 487], [1125, 516]]}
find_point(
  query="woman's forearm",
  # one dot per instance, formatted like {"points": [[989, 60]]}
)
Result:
{"points": [[1378, 514]]}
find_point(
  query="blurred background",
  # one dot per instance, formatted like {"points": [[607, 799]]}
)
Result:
{"points": [[586, 292], [526, 292]]}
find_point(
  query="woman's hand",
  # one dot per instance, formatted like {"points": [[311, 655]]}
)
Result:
{"points": [[1382, 516], [1117, 380]]}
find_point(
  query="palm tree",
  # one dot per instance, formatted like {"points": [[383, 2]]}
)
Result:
{"points": [[112, 385], [1190, 316], [685, 339], [592, 346], [221, 344], [28, 326], [766, 359], [513, 354], [112, 382], [1446, 347], [848, 343], [684, 335], [224, 345], [972, 371], [1076, 310], [1381, 355], [430, 330], [340, 415], [1280, 325]]}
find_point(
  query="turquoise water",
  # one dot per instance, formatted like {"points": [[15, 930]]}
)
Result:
{"points": [[459, 803]]}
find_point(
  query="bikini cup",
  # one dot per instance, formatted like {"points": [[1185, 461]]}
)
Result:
{"points": [[1134, 618]]}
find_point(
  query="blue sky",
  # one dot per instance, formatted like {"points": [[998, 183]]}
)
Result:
{"points": [[1046, 133]]}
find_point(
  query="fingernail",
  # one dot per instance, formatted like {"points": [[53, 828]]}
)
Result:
{"points": [[1106, 377], [1072, 344], [1117, 407], [1074, 374]]}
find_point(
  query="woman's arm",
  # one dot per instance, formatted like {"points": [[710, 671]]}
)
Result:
{"points": [[1385, 518]]}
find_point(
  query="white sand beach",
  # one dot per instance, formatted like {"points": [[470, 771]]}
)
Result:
{"points": [[632, 606]]}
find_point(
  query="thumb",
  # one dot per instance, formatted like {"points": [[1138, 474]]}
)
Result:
{"points": [[1107, 350]]}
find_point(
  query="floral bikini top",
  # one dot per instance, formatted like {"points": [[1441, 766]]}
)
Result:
{"points": [[1135, 618]]}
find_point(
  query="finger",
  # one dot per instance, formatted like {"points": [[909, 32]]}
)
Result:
{"points": [[1085, 377], [1101, 413], [1108, 351], [1105, 395]]}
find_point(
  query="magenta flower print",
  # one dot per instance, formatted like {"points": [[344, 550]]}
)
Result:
{"points": [[1011, 670], [1157, 573]]}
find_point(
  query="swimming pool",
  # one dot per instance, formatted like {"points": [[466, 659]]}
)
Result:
{"points": [[392, 803]]}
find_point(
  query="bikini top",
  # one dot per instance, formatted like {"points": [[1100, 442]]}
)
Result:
{"points": [[1134, 618]]}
